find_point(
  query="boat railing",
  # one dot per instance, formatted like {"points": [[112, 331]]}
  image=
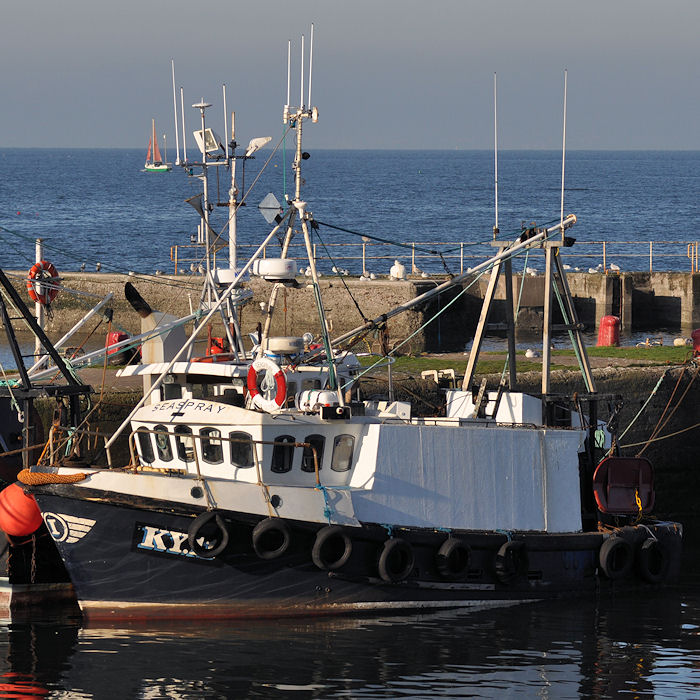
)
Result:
{"points": [[373, 257]]}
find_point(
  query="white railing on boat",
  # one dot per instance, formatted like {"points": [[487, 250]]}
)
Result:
{"points": [[372, 256]]}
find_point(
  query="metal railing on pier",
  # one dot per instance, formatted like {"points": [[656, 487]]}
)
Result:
{"points": [[372, 257]]}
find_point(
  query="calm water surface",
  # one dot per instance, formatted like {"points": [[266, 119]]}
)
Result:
{"points": [[634, 645]]}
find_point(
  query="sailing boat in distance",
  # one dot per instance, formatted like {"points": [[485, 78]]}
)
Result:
{"points": [[154, 162]]}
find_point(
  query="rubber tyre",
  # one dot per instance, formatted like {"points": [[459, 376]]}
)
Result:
{"points": [[453, 558], [332, 548], [511, 563], [271, 538], [652, 561], [396, 560], [616, 557], [202, 526]]}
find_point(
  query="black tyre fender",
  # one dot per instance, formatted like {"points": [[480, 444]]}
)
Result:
{"points": [[453, 558], [202, 527], [396, 560], [510, 562], [271, 538], [332, 548], [616, 557], [652, 561]]}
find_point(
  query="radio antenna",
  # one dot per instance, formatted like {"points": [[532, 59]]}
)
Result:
{"points": [[563, 158], [311, 62], [495, 156], [177, 140], [301, 91], [225, 122]]}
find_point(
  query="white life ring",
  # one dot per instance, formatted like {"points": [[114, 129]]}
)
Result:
{"points": [[259, 401]]}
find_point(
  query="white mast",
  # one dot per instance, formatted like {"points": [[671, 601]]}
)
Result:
{"points": [[563, 156], [495, 156], [184, 133], [177, 139]]}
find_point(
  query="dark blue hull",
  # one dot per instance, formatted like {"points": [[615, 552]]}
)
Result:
{"points": [[132, 561]]}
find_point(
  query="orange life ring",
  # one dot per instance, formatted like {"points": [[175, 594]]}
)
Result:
{"points": [[218, 357], [42, 274], [275, 402]]}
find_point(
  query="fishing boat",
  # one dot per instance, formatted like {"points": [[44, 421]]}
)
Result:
{"points": [[264, 483], [154, 161]]}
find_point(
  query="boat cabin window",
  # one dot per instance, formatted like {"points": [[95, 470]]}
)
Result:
{"points": [[200, 391], [184, 443], [282, 454], [343, 446], [165, 452], [212, 451], [316, 442], [145, 446], [241, 449], [171, 391]]}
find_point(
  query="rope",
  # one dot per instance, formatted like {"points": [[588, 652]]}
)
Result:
{"points": [[660, 425], [36, 478], [347, 289]]}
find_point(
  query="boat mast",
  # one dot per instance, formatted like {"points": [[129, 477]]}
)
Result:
{"points": [[153, 139]]}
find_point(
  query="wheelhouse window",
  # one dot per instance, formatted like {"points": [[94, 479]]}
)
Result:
{"points": [[241, 449], [171, 391], [282, 454], [317, 443], [212, 451], [307, 384], [343, 447], [165, 451], [184, 443], [145, 446]]}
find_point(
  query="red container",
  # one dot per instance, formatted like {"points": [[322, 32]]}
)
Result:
{"points": [[217, 345], [695, 335], [609, 331], [114, 337]]}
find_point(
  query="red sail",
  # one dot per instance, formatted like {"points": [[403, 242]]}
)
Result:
{"points": [[156, 153], [148, 155]]}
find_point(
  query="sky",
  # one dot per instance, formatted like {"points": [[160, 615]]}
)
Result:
{"points": [[404, 74]]}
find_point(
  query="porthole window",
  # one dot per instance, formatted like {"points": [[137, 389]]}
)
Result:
{"points": [[343, 446], [165, 451], [211, 445], [241, 449], [184, 443], [145, 446], [317, 443], [282, 454]]}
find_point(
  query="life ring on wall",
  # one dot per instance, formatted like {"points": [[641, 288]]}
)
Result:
{"points": [[40, 275], [259, 401], [453, 558], [215, 537], [615, 557], [396, 560], [511, 561], [652, 561], [332, 548], [271, 538]]}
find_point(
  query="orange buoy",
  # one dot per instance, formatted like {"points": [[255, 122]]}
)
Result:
{"points": [[19, 513]]}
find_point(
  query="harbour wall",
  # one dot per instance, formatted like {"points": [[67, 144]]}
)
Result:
{"points": [[643, 301]]}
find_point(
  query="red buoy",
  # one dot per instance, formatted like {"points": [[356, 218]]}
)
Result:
{"points": [[19, 513], [695, 335], [609, 331]]}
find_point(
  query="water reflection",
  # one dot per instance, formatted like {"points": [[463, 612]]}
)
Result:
{"points": [[635, 644]]}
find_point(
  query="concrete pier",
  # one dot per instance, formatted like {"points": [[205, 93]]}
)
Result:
{"points": [[643, 301]]}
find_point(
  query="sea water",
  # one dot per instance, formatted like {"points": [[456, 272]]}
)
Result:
{"points": [[95, 207]]}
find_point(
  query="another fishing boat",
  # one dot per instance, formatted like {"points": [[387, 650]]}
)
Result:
{"points": [[263, 483], [154, 161]]}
